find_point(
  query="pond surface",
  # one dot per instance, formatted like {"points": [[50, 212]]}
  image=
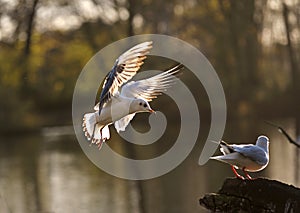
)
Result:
{"points": [[44, 173]]}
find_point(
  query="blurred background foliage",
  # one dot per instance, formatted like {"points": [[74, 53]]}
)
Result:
{"points": [[44, 44]]}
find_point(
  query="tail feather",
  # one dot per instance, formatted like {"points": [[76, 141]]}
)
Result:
{"points": [[89, 122], [232, 158], [226, 148], [95, 132]]}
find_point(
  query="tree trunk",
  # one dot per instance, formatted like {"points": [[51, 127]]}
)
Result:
{"points": [[259, 195], [29, 30], [24, 62], [131, 11]]}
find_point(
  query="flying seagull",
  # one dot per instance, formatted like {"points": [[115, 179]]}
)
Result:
{"points": [[282, 131], [247, 157], [120, 100]]}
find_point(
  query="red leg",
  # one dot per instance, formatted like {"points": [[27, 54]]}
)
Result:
{"points": [[100, 144], [247, 175], [102, 140], [237, 174]]}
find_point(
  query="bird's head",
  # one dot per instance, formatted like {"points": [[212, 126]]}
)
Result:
{"points": [[140, 105], [263, 142]]}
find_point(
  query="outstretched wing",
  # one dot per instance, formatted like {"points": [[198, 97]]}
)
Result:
{"points": [[123, 70], [150, 88]]}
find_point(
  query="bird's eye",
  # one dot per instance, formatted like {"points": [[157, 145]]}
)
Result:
{"points": [[140, 103], [145, 105]]}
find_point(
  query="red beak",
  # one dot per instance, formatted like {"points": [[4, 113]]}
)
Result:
{"points": [[151, 111]]}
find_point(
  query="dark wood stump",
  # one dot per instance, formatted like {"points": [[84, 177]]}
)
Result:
{"points": [[259, 195]]}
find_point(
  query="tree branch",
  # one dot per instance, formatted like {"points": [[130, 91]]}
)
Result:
{"points": [[282, 131]]}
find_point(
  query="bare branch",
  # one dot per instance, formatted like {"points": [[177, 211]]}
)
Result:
{"points": [[282, 131]]}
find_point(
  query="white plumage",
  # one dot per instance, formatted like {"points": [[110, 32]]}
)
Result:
{"points": [[119, 100], [247, 157]]}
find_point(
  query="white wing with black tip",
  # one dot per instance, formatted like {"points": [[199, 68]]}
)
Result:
{"points": [[123, 70], [226, 148]]}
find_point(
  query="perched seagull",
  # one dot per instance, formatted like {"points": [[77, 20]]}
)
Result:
{"points": [[119, 100], [282, 131], [246, 157]]}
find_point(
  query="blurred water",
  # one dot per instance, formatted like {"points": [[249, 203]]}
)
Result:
{"points": [[46, 174]]}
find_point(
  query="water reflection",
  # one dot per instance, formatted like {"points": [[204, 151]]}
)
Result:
{"points": [[56, 177], [40, 175]]}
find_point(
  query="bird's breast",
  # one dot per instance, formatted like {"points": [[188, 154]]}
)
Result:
{"points": [[251, 165], [113, 111]]}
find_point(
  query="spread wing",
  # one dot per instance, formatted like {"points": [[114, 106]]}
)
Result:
{"points": [[150, 88], [123, 70]]}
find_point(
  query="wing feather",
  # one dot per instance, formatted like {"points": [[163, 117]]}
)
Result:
{"points": [[150, 88], [123, 70], [253, 152]]}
